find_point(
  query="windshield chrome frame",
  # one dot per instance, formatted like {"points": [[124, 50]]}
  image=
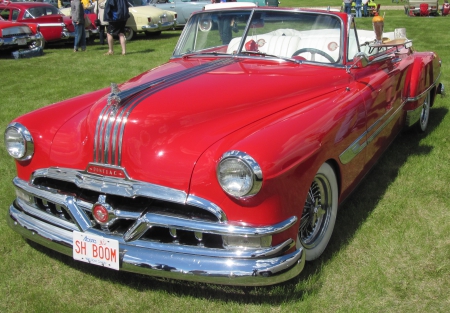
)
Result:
{"points": [[344, 30]]}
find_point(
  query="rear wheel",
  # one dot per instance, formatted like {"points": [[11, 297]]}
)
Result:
{"points": [[424, 113], [319, 213]]}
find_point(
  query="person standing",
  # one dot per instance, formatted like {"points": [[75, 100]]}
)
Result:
{"points": [[358, 6], [77, 14], [100, 11], [365, 5], [116, 14], [348, 6]]}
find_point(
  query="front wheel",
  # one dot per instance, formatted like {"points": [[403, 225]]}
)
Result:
{"points": [[129, 33], [319, 213]]}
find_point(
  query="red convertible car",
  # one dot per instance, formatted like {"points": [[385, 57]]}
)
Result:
{"points": [[228, 163], [14, 35], [54, 26]]}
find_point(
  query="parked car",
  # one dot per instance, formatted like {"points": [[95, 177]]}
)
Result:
{"points": [[184, 8], [144, 19], [228, 163], [149, 20], [412, 7], [52, 24], [15, 35]]}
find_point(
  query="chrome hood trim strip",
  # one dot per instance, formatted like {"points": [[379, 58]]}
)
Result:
{"points": [[113, 118]]}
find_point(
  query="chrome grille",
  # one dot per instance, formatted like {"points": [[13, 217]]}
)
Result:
{"points": [[128, 211]]}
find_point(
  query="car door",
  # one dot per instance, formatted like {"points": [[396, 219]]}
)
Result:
{"points": [[384, 78]]}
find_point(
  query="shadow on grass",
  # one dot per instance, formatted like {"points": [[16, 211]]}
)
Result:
{"points": [[351, 216]]}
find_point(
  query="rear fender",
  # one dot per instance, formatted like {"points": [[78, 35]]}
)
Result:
{"points": [[423, 76]]}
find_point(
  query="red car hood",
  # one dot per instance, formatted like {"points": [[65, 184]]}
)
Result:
{"points": [[188, 107]]}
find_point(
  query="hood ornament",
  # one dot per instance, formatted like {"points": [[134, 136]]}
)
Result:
{"points": [[114, 99]]}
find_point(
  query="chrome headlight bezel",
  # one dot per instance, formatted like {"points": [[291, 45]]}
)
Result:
{"points": [[19, 142], [239, 174]]}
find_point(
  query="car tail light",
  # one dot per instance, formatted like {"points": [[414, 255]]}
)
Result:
{"points": [[149, 19]]}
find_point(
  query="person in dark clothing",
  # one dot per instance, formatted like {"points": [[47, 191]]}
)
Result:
{"points": [[116, 14]]}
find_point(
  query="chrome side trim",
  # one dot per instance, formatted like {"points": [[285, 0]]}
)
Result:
{"points": [[355, 148], [185, 264]]}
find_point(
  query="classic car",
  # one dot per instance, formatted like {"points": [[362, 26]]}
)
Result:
{"points": [[228, 163], [184, 8], [149, 20], [54, 26], [421, 7], [16, 35], [145, 19]]}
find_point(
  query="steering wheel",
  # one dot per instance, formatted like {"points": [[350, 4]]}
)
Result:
{"points": [[313, 51]]}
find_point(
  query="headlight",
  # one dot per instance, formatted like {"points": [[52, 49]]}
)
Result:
{"points": [[18, 142], [239, 174]]}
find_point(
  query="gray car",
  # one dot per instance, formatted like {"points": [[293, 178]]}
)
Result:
{"points": [[184, 8]]}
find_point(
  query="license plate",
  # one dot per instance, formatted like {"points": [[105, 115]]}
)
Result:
{"points": [[164, 20], [96, 250], [21, 41]]}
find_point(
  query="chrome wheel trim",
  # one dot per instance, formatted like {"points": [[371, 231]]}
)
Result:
{"points": [[316, 212], [425, 113], [319, 213]]}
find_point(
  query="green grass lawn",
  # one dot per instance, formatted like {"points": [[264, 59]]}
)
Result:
{"points": [[390, 251]]}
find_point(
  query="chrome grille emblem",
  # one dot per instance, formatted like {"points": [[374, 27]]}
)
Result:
{"points": [[103, 213]]}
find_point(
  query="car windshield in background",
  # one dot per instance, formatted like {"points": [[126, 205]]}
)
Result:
{"points": [[265, 32]]}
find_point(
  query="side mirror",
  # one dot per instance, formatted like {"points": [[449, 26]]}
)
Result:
{"points": [[360, 60]]}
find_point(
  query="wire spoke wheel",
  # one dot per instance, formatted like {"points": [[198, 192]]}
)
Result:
{"points": [[319, 213]]}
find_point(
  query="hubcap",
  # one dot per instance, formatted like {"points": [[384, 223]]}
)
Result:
{"points": [[316, 213]]}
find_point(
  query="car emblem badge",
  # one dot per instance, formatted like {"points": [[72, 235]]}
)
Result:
{"points": [[114, 99], [103, 213], [107, 170]]}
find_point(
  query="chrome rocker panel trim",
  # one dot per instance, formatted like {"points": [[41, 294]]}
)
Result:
{"points": [[183, 264]]}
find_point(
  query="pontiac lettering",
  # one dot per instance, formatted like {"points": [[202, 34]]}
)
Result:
{"points": [[106, 171]]}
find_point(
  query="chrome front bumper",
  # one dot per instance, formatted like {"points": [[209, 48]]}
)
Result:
{"points": [[168, 264], [247, 267]]}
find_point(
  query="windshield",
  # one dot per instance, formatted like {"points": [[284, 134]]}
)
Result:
{"points": [[304, 36]]}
